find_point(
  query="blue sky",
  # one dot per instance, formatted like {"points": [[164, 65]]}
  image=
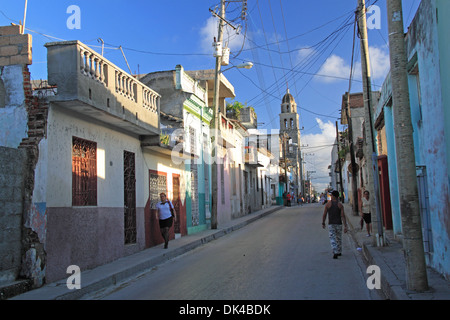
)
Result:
{"points": [[158, 35]]}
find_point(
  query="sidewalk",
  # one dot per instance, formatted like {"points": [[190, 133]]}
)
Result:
{"points": [[391, 261], [127, 267]]}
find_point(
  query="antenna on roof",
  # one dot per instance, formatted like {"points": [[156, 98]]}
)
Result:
{"points": [[24, 17], [103, 44], [120, 47]]}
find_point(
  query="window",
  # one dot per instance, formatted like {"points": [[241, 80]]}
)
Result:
{"points": [[233, 177], [206, 166], [84, 172], [414, 73], [192, 141], [157, 184], [222, 181], [129, 177], [415, 90]]}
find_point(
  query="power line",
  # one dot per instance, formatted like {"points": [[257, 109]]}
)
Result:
{"points": [[270, 56], [312, 57]]}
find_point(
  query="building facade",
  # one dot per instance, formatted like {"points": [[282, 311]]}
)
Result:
{"points": [[186, 118], [428, 66]]}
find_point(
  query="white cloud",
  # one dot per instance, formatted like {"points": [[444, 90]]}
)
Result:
{"points": [[335, 66], [207, 34], [210, 30], [380, 62], [304, 55], [318, 153]]}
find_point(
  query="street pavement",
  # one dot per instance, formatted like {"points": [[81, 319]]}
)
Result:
{"points": [[285, 256], [389, 259]]}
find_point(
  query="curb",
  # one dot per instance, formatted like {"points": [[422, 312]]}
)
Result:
{"points": [[14, 288], [129, 266], [390, 285]]}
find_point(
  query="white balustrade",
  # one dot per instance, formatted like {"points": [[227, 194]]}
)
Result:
{"points": [[94, 66]]}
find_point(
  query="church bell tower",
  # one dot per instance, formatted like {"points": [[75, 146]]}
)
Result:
{"points": [[289, 124]]}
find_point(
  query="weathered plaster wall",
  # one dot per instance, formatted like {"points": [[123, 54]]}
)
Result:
{"points": [[13, 167], [443, 26], [13, 114], [428, 115], [86, 236]]}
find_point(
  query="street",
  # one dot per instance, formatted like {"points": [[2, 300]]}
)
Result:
{"points": [[284, 256]]}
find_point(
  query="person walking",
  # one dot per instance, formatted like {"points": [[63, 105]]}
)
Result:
{"points": [[336, 216], [165, 215], [365, 212], [288, 197]]}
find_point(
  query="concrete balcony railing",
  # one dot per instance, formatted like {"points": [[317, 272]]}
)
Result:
{"points": [[90, 84], [227, 135]]}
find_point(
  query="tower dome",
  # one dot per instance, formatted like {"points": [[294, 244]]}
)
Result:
{"points": [[288, 98]]}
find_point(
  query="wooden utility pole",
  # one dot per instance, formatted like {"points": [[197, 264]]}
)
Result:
{"points": [[352, 157], [416, 272], [285, 139], [348, 116], [370, 150], [341, 186], [215, 122]]}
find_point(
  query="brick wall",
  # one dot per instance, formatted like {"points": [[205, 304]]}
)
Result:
{"points": [[15, 48], [37, 109]]}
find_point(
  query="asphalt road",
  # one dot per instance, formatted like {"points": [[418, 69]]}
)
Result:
{"points": [[284, 256]]}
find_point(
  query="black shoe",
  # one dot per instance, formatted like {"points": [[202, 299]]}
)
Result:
{"points": [[166, 245], [335, 256]]}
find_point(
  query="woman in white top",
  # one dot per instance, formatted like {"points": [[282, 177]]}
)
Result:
{"points": [[165, 217], [365, 212]]}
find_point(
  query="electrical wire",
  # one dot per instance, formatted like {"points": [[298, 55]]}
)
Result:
{"points": [[312, 57]]}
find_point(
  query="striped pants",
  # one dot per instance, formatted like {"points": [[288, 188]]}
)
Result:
{"points": [[335, 234]]}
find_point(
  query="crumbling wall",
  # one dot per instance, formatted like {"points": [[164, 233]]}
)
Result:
{"points": [[23, 120]]}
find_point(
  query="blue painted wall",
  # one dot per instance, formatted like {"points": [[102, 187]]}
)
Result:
{"points": [[429, 89]]}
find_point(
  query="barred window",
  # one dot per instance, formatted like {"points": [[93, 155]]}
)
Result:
{"points": [[129, 177], [84, 172]]}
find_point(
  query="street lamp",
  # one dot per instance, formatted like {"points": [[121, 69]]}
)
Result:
{"points": [[245, 65]]}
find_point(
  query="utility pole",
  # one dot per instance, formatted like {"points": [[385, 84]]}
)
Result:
{"points": [[416, 273], [352, 157], [370, 150], [215, 122], [341, 187], [285, 137], [348, 115], [302, 191]]}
